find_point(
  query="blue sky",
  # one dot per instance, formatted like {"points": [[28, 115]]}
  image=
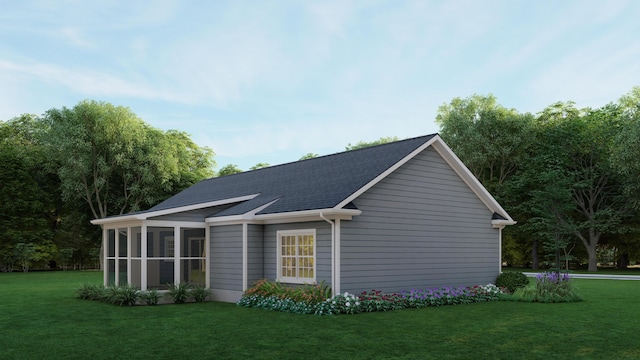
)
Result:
{"points": [[269, 81]]}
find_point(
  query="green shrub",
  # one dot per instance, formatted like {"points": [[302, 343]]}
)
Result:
{"points": [[308, 293], [199, 293], [123, 295], [512, 280], [179, 292], [150, 297], [90, 292]]}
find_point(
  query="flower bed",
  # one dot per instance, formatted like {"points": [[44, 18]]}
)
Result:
{"points": [[374, 300]]}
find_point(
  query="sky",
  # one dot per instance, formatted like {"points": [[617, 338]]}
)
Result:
{"points": [[270, 81]]}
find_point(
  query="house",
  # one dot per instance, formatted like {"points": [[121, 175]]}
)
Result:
{"points": [[392, 217]]}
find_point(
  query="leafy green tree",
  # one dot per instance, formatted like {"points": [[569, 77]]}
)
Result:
{"points": [[115, 162], [309, 156], [229, 170], [25, 254], [28, 192], [364, 144], [259, 166], [572, 158], [491, 140]]}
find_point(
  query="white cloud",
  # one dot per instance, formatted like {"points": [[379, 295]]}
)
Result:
{"points": [[87, 82]]}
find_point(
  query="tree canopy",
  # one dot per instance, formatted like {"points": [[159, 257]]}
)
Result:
{"points": [[72, 165], [564, 174]]}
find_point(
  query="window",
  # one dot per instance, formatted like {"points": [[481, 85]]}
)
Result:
{"points": [[297, 256]]}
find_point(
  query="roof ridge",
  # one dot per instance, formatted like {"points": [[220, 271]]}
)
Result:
{"points": [[327, 155]]}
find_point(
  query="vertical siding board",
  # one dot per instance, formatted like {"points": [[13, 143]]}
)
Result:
{"points": [[255, 264], [420, 227], [226, 257]]}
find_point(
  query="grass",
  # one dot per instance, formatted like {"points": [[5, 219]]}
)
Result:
{"points": [[40, 318]]}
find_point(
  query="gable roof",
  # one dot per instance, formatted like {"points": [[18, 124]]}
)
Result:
{"points": [[326, 182]]}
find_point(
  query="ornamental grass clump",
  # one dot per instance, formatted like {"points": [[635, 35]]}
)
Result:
{"points": [[550, 287], [150, 297]]}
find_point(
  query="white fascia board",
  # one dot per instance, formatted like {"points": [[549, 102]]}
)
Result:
{"points": [[502, 223], [346, 214], [474, 184], [456, 164], [144, 216], [387, 172], [117, 219], [286, 217], [248, 216]]}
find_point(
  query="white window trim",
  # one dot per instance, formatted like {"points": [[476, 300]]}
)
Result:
{"points": [[295, 280]]}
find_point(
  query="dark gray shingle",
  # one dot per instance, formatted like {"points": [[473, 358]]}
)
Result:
{"points": [[317, 183]]}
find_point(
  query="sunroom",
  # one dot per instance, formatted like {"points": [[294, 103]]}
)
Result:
{"points": [[155, 254]]}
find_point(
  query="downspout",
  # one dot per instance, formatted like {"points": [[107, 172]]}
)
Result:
{"points": [[334, 288], [500, 248], [245, 256]]}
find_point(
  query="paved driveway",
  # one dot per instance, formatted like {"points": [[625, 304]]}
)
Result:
{"points": [[595, 276]]}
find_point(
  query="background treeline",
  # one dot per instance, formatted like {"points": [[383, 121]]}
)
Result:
{"points": [[569, 176], [71, 165]]}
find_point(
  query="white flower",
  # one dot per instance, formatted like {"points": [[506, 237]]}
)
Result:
{"points": [[348, 304], [357, 303]]}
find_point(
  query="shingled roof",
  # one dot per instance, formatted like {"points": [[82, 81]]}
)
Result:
{"points": [[318, 183]]}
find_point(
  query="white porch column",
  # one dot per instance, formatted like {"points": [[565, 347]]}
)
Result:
{"points": [[176, 255], [105, 251], [129, 253], [143, 257], [207, 250]]}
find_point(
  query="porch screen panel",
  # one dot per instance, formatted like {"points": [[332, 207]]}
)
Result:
{"points": [[111, 243], [122, 242], [122, 271], [136, 242], [193, 256], [111, 272], [136, 273], [160, 274]]}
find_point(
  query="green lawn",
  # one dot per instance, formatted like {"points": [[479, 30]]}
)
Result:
{"points": [[41, 319]]}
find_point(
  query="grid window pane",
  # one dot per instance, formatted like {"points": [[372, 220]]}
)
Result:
{"points": [[297, 257]]}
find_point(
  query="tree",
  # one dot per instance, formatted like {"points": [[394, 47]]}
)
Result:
{"points": [[115, 162], [309, 156], [28, 191], [25, 254], [491, 140], [229, 170], [572, 158], [363, 144], [259, 166]]}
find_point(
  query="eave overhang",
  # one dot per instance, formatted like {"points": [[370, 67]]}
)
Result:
{"points": [[151, 214]]}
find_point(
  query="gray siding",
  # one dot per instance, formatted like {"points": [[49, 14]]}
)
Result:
{"points": [[421, 227], [255, 254], [226, 257], [323, 248]]}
